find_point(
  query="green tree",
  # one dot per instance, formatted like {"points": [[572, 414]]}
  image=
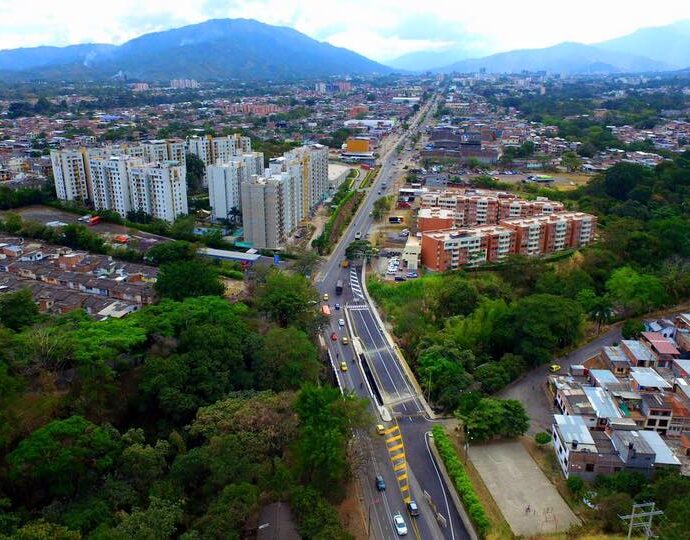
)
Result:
{"points": [[168, 252], [195, 172], [160, 520], [227, 514], [286, 359], [537, 325], [381, 206], [359, 249], [18, 309], [286, 298], [326, 418], [64, 456], [492, 418], [456, 296], [43, 530], [182, 279], [571, 161], [543, 438], [634, 292], [632, 328], [492, 376]]}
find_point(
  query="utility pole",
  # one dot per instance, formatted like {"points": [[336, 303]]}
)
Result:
{"points": [[641, 518]]}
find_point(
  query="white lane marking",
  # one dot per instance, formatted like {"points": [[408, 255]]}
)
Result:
{"points": [[378, 352], [396, 362], [440, 481]]}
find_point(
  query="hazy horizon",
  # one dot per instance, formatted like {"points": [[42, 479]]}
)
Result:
{"points": [[379, 29]]}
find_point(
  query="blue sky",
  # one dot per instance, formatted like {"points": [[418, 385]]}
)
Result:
{"points": [[379, 29]]}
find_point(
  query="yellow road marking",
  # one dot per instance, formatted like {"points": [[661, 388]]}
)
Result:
{"points": [[402, 477], [400, 466], [390, 430], [398, 456], [405, 488], [392, 439], [392, 449]]}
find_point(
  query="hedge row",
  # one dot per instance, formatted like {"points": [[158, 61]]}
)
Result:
{"points": [[462, 483]]}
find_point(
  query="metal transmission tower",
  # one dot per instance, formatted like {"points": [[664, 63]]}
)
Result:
{"points": [[641, 518]]}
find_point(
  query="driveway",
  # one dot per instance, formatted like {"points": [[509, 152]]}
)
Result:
{"points": [[531, 391], [528, 501]]}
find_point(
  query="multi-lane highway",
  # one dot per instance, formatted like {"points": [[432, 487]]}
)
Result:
{"points": [[401, 454]]}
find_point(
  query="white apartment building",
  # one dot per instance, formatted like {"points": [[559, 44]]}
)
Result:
{"points": [[312, 161], [225, 179], [212, 150], [159, 189], [272, 208], [70, 172], [110, 182]]}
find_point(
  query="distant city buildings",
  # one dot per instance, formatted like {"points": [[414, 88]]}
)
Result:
{"points": [[183, 84]]}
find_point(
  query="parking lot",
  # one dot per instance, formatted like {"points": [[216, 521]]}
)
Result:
{"points": [[390, 267]]}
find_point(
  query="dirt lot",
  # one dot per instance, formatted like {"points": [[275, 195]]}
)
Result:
{"points": [[529, 502], [45, 214]]}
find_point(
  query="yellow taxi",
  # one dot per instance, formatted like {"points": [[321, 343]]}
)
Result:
{"points": [[554, 368], [343, 366], [345, 340], [380, 429]]}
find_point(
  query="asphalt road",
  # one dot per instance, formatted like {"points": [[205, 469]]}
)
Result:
{"points": [[407, 429], [531, 389]]}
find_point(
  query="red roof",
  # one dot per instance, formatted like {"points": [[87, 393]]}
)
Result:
{"points": [[660, 344]]}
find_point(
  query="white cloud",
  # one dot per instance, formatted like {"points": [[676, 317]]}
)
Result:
{"points": [[380, 29]]}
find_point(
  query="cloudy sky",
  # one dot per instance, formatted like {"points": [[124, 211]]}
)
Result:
{"points": [[379, 29]]}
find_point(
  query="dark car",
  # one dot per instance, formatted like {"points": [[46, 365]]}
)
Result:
{"points": [[400, 278], [380, 483], [413, 509]]}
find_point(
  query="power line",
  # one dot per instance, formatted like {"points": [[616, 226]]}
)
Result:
{"points": [[641, 518]]}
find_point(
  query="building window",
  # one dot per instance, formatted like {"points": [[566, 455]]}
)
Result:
{"points": [[589, 467]]}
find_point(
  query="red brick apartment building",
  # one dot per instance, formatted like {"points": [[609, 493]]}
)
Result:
{"points": [[488, 208], [452, 248], [435, 219]]}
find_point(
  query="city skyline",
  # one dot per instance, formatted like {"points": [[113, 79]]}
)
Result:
{"points": [[382, 30]]}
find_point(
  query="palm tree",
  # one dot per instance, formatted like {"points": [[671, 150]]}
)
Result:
{"points": [[601, 311]]}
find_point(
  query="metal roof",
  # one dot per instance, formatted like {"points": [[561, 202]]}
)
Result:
{"points": [[573, 428], [601, 401], [664, 455], [603, 376], [645, 376]]}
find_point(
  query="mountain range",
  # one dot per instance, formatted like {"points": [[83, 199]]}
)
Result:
{"points": [[246, 49], [648, 49], [216, 49]]}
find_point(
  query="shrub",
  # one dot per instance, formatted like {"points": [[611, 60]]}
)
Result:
{"points": [[542, 438], [575, 485], [461, 481]]}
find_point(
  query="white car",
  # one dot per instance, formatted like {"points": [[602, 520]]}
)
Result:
{"points": [[341, 322], [399, 523]]}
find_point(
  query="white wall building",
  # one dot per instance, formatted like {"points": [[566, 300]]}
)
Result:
{"points": [[272, 208], [225, 179], [72, 182], [159, 189], [110, 182]]}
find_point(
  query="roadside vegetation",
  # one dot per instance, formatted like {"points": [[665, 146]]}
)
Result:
{"points": [[369, 178], [181, 420], [462, 483], [344, 205]]}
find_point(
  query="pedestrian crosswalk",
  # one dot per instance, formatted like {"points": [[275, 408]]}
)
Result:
{"points": [[396, 453], [358, 307], [354, 284]]}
